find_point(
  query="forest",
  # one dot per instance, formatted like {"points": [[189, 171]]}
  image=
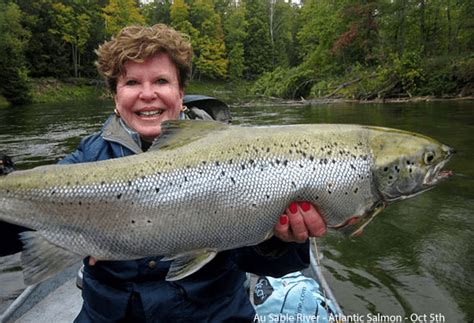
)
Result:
{"points": [[352, 49]]}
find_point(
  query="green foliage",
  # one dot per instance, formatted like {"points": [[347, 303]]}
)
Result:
{"points": [[120, 13], [14, 85], [288, 83], [351, 49], [235, 30], [257, 45], [157, 11], [46, 90], [73, 26]]}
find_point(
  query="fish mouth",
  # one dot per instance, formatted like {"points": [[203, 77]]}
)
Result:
{"points": [[437, 174]]}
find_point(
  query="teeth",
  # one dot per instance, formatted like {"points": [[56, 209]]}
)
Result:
{"points": [[150, 113]]}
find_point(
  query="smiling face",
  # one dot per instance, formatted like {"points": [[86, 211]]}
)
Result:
{"points": [[148, 93]]}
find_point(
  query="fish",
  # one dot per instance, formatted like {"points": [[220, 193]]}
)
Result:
{"points": [[204, 187]]}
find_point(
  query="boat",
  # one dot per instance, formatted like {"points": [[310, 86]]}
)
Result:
{"points": [[59, 299]]}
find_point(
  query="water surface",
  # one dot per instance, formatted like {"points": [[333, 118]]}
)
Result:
{"points": [[416, 257]]}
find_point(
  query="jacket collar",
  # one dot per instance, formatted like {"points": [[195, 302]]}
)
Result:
{"points": [[114, 130]]}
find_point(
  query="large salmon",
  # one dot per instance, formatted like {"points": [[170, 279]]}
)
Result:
{"points": [[205, 187]]}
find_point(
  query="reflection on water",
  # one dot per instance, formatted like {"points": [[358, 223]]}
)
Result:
{"points": [[417, 257]]}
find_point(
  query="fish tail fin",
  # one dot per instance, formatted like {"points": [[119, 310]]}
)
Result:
{"points": [[188, 263], [42, 259]]}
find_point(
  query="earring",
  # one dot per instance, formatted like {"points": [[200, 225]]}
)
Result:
{"points": [[117, 113]]}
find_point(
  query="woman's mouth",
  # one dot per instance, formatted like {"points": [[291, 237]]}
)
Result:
{"points": [[150, 113]]}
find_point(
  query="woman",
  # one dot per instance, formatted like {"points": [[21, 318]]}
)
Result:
{"points": [[147, 69]]}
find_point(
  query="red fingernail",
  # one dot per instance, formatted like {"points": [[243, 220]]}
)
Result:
{"points": [[283, 219], [305, 206], [293, 208]]}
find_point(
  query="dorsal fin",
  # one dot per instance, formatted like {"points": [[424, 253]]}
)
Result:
{"points": [[177, 133]]}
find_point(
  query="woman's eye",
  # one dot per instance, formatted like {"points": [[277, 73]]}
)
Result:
{"points": [[131, 82], [161, 81]]}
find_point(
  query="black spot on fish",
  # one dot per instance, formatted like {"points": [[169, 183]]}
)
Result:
{"points": [[325, 160], [217, 163], [333, 161], [285, 162], [243, 166], [143, 177], [329, 191], [157, 189], [254, 205], [293, 184], [185, 179], [267, 196], [390, 177], [301, 166], [268, 149], [311, 158], [148, 221], [80, 203], [137, 191], [223, 173], [203, 162], [251, 161], [230, 161], [356, 190], [129, 183], [102, 183], [119, 196], [233, 180], [353, 167], [52, 193], [133, 221], [385, 169], [277, 161]]}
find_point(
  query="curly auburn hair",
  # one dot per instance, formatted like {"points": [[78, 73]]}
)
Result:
{"points": [[136, 43]]}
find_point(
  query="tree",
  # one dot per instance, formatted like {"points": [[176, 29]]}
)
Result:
{"points": [[235, 33], [209, 52], [157, 11], [121, 13], [13, 40], [74, 26], [257, 46]]}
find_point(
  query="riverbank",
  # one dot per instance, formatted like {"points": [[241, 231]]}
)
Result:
{"points": [[51, 90]]}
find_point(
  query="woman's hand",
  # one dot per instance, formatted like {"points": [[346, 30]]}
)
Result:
{"points": [[92, 261], [300, 221]]}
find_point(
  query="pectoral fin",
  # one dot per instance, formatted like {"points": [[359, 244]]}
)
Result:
{"points": [[188, 263], [42, 259]]}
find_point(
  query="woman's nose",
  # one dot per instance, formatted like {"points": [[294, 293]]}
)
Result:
{"points": [[148, 92]]}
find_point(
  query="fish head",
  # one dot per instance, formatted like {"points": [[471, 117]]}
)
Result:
{"points": [[406, 163]]}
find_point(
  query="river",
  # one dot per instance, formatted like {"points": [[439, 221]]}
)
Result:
{"points": [[416, 260]]}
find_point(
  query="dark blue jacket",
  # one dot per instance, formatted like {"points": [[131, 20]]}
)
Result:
{"points": [[136, 290]]}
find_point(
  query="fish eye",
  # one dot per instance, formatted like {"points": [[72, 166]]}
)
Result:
{"points": [[429, 157]]}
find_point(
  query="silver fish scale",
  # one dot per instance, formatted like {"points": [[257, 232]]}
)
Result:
{"points": [[196, 208]]}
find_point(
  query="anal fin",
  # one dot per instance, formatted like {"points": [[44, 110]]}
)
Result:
{"points": [[42, 259], [188, 263]]}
